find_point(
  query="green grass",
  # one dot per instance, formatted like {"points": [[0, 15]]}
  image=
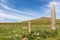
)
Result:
{"points": [[15, 31]]}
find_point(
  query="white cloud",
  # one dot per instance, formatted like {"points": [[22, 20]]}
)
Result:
{"points": [[57, 8], [21, 17], [1, 19], [46, 10], [3, 16], [9, 16], [19, 11]]}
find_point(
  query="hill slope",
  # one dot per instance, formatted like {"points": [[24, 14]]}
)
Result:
{"points": [[42, 20]]}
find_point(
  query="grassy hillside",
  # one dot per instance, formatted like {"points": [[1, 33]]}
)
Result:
{"points": [[14, 31], [42, 20]]}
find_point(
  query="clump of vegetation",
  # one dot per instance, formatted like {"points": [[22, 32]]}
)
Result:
{"points": [[53, 33], [44, 34], [41, 34], [29, 36], [58, 39]]}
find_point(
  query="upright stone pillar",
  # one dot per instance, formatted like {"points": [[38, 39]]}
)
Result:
{"points": [[53, 17], [29, 26]]}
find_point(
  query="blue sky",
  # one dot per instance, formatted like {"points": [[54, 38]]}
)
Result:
{"points": [[22, 10]]}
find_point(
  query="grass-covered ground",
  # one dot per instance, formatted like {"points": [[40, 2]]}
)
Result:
{"points": [[16, 31]]}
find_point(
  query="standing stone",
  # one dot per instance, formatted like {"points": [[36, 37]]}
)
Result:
{"points": [[29, 26], [53, 17]]}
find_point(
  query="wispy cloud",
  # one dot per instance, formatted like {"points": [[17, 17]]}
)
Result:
{"points": [[57, 8], [19, 18], [1, 19], [8, 16], [26, 14], [19, 11]]}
